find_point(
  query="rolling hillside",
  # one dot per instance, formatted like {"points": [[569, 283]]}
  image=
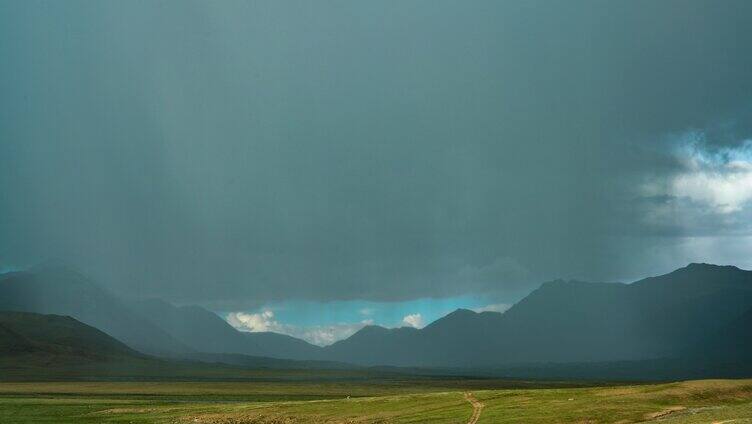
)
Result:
{"points": [[150, 326], [204, 331], [45, 339], [54, 347], [63, 291]]}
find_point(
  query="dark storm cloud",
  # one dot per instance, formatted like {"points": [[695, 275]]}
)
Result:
{"points": [[244, 152]]}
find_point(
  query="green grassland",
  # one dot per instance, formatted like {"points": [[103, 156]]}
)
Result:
{"points": [[373, 401]]}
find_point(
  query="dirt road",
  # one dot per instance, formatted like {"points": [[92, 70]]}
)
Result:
{"points": [[477, 408]]}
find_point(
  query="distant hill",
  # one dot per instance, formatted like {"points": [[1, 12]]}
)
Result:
{"points": [[732, 342], [694, 321], [204, 331], [573, 322], [63, 291], [44, 339], [152, 326], [277, 345], [374, 345], [51, 347]]}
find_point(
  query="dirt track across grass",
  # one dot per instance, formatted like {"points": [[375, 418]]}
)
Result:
{"points": [[477, 408]]}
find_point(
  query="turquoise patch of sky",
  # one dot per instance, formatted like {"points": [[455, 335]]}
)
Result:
{"points": [[388, 314]]}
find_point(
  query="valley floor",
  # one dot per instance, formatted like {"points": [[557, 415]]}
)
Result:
{"points": [[703, 401]]}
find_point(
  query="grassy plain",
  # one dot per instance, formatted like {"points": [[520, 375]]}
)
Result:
{"points": [[376, 401]]}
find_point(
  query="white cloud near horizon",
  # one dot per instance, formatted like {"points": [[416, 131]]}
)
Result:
{"points": [[321, 335], [496, 307], [413, 320]]}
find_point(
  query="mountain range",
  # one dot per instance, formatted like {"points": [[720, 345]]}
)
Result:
{"points": [[150, 326], [570, 321], [205, 331], [26, 337], [699, 313]]}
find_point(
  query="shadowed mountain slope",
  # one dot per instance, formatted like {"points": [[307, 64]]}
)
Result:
{"points": [[731, 343], [204, 331], [571, 321], [51, 347], [154, 327], [694, 312], [375, 345], [57, 290], [28, 336]]}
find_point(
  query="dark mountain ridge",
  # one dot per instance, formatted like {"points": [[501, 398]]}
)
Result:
{"points": [[204, 331], [677, 315], [63, 291], [150, 326], [53, 347], [56, 338], [573, 321]]}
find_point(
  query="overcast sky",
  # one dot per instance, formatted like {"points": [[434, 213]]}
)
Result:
{"points": [[240, 154]]}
